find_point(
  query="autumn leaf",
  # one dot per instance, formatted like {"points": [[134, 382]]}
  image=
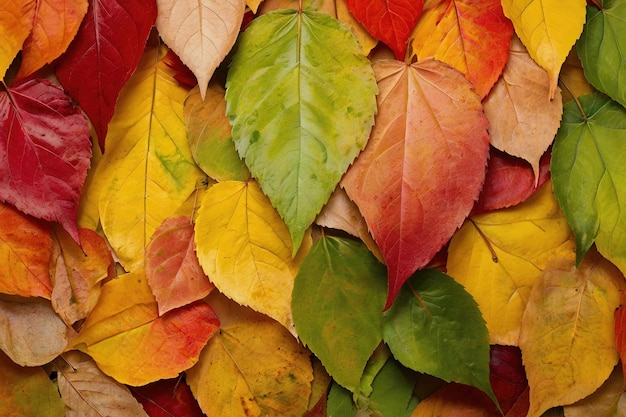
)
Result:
{"points": [[167, 398], [390, 21], [301, 109], [572, 78], [45, 150], [490, 256], [548, 30], [609, 400], [521, 121], [567, 339], [429, 146], [55, 26], [172, 269], [620, 329], [148, 171], [366, 41], [16, 20], [103, 56], [587, 171], [131, 343], [200, 33], [471, 36], [337, 300]]}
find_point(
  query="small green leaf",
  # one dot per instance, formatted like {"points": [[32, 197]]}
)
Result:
{"points": [[337, 301], [392, 393], [301, 98], [435, 327], [602, 48], [589, 175], [340, 402]]}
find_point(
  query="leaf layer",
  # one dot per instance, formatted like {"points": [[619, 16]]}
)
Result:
{"points": [[16, 17]]}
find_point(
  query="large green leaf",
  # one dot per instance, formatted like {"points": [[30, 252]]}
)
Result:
{"points": [[301, 97], [589, 175], [602, 48], [337, 301], [435, 327]]}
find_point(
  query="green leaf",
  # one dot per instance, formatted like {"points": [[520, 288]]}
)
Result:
{"points": [[435, 327], [392, 393], [337, 301], [589, 175], [340, 402], [301, 98], [602, 48]]}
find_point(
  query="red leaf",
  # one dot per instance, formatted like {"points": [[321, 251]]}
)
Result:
{"points": [[183, 75], [103, 56], [620, 331], [508, 378], [167, 398], [45, 152], [390, 21]]}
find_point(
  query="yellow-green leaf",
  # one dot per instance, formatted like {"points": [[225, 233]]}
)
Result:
{"points": [[16, 20], [567, 338], [548, 29], [497, 257]]}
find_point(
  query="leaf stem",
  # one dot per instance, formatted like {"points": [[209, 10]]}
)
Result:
{"points": [[419, 298], [571, 93], [494, 256]]}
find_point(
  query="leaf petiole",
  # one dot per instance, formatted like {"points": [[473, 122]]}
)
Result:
{"points": [[494, 256]]}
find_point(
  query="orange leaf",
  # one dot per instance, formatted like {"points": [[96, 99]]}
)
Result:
{"points": [[471, 35], [25, 248], [424, 164], [16, 17], [172, 267]]}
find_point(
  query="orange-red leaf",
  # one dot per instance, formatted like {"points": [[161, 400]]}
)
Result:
{"points": [[172, 267], [424, 165], [16, 17], [620, 330]]}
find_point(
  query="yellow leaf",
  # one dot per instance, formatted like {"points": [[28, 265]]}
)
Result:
{"points": [[252, 368], [608, 401], [548, 29], [148, 166], [367, 41], [245, 248], [16, 21], [254, 5], [573, 78], [567, 338], [201, 33], [522, 239]]}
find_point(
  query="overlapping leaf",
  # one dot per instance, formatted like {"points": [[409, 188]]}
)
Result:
{"points": [[103, 56], [168, 397], [367, 41], [428, 149], [490, 256], [45, 149], [608, 400], [589, 177], [301, 98], [200, 32], [148, 170], [472, 36], [548, 30], [16, 18]]}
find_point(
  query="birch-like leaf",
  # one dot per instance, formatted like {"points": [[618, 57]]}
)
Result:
{"points": [[148, 167], [301, 99], [16, 22], [424, 165], [201, 33]]}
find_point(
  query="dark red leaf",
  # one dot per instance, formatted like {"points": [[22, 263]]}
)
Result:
{"points": [[167, 398], [508, 378], [103, 56], [620, 331], [45, 152]]}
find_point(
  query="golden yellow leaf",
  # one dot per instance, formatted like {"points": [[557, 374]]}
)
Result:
{"points": [[245, 248], [567, 338], [572, 78], [16, 21], [253, 367], [253, 5], [148, 167], [522, 239], [548, 29]]}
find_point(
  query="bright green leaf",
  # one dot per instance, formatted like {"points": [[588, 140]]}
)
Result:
{"points": [[589, 175], [337, 301], [301, 99], [392, 393], [435, 327], [602, 48], [340, 402]]}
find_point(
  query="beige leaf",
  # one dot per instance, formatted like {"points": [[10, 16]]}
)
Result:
{"points": [[608, 401]]}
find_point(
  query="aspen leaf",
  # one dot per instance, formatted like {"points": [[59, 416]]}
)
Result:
{"points": [[245, 249], [131, 343], [521, 121], [430, 126], [548, 29], [590, 177], [27, 391], [337, 299], [103, 56], [201, 33], [608, 401], [471, 36], [148, 166], [174, 274], [567, 339], [87, 392], [490, 256], [25, 248], [16, 22], [301, 98], [55, 25]]}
